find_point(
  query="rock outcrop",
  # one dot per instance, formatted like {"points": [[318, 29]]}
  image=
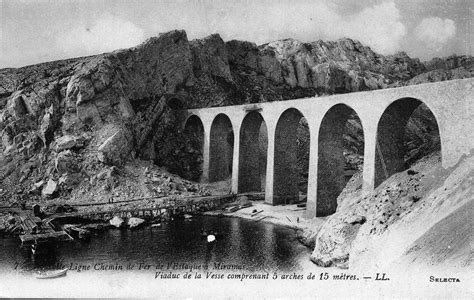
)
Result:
{"points": [[76, 116], [117, 222], [68, 142], [135, 222], [210, 57], [49, 189], [116, 149], [110, 85], [388, 226], [461, 72], [66, 162]]}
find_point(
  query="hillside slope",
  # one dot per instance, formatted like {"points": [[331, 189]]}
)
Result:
{"points": [[419, 218]]}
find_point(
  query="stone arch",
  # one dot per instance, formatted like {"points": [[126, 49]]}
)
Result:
{"points": [[252, 153], [221, 148], [286, 171], [338, 140], [193, 134], [392, 143], [192, 120]]}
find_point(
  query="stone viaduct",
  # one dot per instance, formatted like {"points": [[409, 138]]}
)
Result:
{"points": [[231, 139]]}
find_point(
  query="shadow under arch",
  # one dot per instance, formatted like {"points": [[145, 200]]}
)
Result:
{"points": [[193, 133], [286, 175], [394, 145], [252, 153], [221, 149], [340, 136]]}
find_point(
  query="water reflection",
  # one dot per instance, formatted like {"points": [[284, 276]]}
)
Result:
{"points": [[43, 257]]}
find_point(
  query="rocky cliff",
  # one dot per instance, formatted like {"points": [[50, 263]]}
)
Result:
{"points": [[66, 121]]}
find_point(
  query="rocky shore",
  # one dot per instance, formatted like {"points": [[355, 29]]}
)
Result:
{"points": [[131, 213]]}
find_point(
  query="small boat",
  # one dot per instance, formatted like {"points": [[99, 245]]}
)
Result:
{"points": [[51, 274], [156, 225]]}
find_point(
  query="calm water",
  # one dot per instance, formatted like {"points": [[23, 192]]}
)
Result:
{"points": [[251, 245]]}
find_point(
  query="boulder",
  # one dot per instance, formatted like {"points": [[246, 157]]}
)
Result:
{"points": [[333, 244], [66, 162], [243, 201], [69, 142], [116, 149], [47, 126], [88, 113], [16, 106], [307, 237], [108, 173], [81, 89], [135, 222], [37, 186], [14, 134], [69, 180], [50, 189], [180, 187], [117, 222]]}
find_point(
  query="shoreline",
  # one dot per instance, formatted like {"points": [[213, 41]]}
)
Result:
{"points": [[289, 216]]}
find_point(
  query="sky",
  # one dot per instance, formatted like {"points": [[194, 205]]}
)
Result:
{"points": [[34, 31]]}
